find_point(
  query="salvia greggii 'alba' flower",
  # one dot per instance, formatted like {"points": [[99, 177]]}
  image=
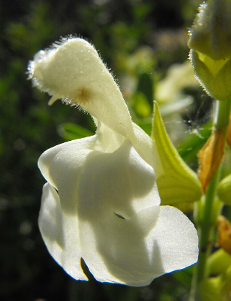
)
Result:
{"points": [[101, 201]]}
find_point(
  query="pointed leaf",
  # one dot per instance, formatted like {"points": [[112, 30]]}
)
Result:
{"points": [[175, 180]]}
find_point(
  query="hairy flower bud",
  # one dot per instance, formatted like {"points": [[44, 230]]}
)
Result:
{"points": [[210, 43]]}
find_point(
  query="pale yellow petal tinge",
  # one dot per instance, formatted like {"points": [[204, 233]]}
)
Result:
{"points": [[74, 72], [101, 202]]}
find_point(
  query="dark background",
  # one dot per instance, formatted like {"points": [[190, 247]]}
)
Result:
{"points": [[28, 127]]}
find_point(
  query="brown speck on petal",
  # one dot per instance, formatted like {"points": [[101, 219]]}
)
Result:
{"points": [[83, 95], [210, 157]]}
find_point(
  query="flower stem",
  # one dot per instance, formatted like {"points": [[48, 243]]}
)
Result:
{"points": [[221, 120], [206, 209]]}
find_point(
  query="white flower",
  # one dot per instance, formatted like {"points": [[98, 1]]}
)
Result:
{"points": [[101, 202]]}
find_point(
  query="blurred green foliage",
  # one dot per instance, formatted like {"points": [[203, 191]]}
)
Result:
{"points": [[138, 40]]}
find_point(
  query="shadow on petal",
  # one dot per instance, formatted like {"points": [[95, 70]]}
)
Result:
{"points": [[120, 182], [118, 205], [60, 233], [127, 257], [50, 217]]}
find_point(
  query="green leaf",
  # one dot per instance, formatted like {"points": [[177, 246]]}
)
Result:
{"points": [[146, 125], [141, 105], [184, 276], [71, 131], [176, 181], [145, 85], [190, 147]]}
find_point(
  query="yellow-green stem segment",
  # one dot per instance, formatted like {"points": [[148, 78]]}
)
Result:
{"points": [[206, 213]]}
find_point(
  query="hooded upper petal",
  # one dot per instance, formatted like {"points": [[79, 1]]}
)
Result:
{"points": [[74, 71]]}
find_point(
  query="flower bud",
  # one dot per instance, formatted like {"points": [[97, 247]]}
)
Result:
{"points": [[224, 190], [210, 43], [216, 288]]}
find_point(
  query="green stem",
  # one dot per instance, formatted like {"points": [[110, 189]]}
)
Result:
{"points": [[206, 208], [221, 120], [205, 229]]}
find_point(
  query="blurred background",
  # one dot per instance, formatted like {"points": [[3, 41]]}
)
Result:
{"points": [[141, 41]]}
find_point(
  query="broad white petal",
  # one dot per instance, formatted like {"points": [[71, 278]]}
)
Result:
{"points": [[61, 166], [118, 206], [60, 233], [176, 238], [126, 251], [115, 249], [75, 71], [112, 198]]}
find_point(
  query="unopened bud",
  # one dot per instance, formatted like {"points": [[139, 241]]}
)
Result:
{"points": [[210, 43]]}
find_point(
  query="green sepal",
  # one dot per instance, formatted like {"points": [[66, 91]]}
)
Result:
{"points": [[213, 75], [211, 31], [224, 190], [216, 288], [218, 262], [176, 181]]}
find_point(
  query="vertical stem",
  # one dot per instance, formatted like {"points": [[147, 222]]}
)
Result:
{"points": [[205, 229], [205, 209], [221, 120]]}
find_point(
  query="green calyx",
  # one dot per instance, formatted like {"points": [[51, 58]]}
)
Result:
{"points": [[210, 43], [213, 75], [176, 181], [211, 31]]}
